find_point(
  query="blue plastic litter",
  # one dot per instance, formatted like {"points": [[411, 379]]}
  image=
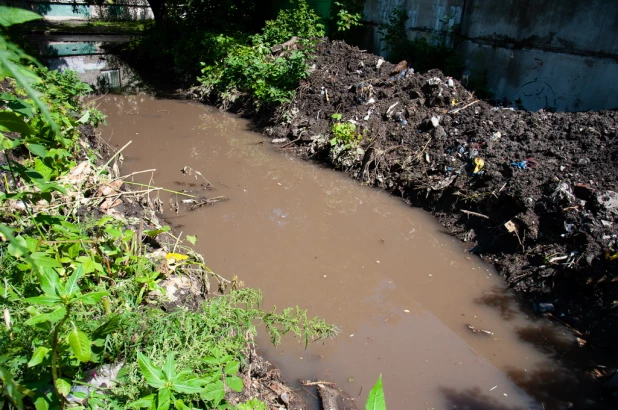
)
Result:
{"points": [[520, 164], [398, 76], [404, 122]]}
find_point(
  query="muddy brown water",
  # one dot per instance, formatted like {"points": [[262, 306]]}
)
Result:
{"points": [[401, 289]]}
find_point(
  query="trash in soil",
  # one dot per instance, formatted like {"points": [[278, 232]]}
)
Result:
{"points": [[543, 307], [520, 164], [475, 330], [479, 164]]}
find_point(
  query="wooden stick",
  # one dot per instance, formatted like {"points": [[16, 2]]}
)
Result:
{"points": [[316, 383], [104, 167], [135, 173], [154, 188], [456, 110], [474, 214]]}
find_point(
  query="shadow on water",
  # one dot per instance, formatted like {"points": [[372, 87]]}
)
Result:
{"points": [[572, 380], [475, 399]]}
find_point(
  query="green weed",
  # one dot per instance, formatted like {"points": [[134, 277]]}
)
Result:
{"points": [[78, 292], [344, 133]]}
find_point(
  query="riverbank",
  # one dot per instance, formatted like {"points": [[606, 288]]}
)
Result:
{"points": [[103, 305], [532, 193]]}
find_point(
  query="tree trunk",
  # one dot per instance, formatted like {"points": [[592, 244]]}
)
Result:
{"points": [[159, 11]]}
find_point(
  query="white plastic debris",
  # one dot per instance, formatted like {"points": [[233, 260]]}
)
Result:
{"points": [[380, 62]]}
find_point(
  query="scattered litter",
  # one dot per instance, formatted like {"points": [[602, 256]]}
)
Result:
{"points": [[519, 164], [496, 136], [543, 307], [435, 121], [493, 387], [390, 109], [380, 62], [406, 310], [475, 330], [377, 261], [510, 226], [479, 164]]}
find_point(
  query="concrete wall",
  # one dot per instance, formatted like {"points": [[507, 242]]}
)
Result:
{"points": [[62, 10], [424, 17], [558, 54]]}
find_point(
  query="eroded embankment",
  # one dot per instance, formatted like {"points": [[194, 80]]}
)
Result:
{"points": [[532, 193]]}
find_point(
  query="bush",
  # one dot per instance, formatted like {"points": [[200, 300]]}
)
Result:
{"points": [[253, 70]]}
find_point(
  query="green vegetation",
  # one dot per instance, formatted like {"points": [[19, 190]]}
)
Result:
{"points": [[251, 69], [80, 290], [344, 133], [422, 53], [376, 400], [344, 19]]}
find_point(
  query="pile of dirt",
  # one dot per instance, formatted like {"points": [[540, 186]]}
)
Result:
{"points": [[534, 193]]}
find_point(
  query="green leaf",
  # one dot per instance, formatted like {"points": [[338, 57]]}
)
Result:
{"points": [[169, 368], [164, 399], [147, 401], [232, 367], [72, 283], [36, 149], [63, 387], [43, 300], [154, 232], [80, 344], [84, 118], [11, 15], [43, 260], [214, 392], [11, 389], [17, 105], [110, 326], [91, 298], [180, 405], [153, 376], [8, 143], [38, 356], [18, 247], [376, 401], [190, 386], [49, 281], [11, 122], [192, 239], [52, 317], [234, 383]]}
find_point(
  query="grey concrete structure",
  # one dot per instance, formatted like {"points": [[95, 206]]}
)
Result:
{"points": [[559, 54]]}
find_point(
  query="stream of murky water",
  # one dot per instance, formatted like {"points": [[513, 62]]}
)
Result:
{"points": [[401, 289]]}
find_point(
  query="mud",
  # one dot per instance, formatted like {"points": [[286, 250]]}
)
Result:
{"points": [[534, 194], [438, 324]]}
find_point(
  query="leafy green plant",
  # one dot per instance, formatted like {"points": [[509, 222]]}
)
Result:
{"points": [[346, 20], [254, 71], [344, 133], [74, 287], [375, 400], [300, 20], [173, 386], [60, 297]]}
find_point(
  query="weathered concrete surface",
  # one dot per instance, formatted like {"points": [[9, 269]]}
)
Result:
{"points": [[61, 10], [558, 54], [424, 16]]}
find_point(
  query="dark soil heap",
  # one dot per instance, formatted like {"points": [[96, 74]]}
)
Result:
{"points": [[534, 193]]}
